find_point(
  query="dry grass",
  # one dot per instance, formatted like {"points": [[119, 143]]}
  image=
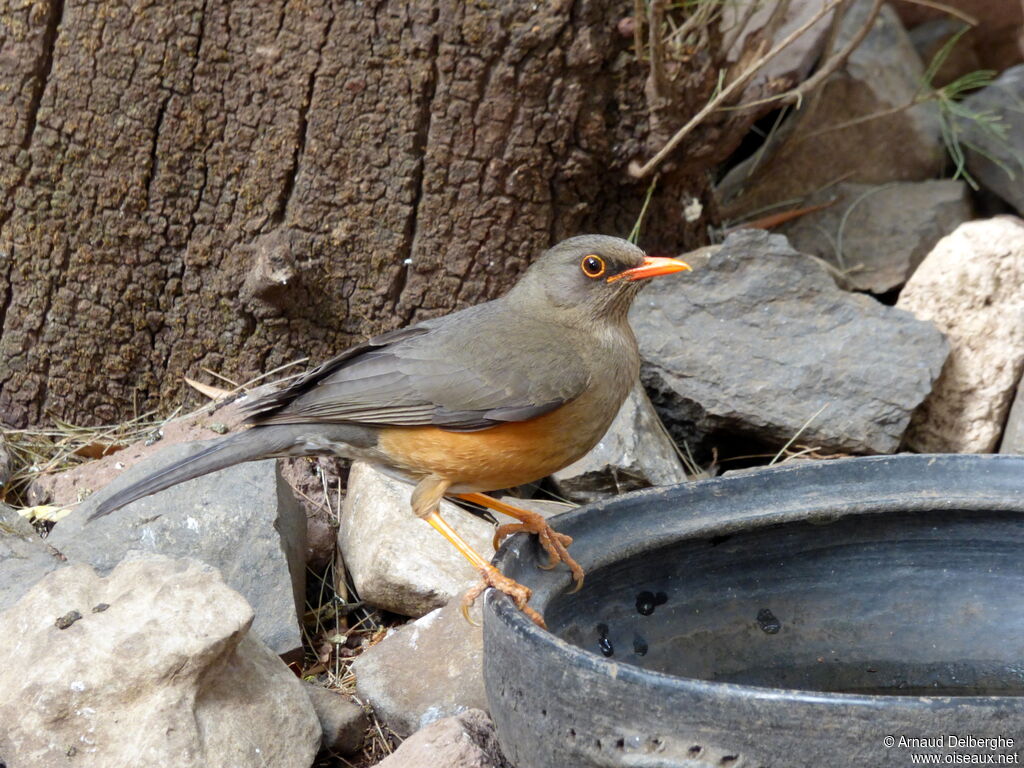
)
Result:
{"points": [[36, 452], [337, 627]]}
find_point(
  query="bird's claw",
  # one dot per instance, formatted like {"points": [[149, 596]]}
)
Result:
{"points": [[492, 577], [554, 543]]}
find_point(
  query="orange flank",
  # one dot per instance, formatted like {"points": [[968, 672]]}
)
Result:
{"points": [[499, 457]]}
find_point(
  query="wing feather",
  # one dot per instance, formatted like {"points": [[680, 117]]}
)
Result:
{"points": [[455, 372]]}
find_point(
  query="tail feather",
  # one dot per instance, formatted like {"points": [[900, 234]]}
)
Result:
{"points": [[250, 445]]}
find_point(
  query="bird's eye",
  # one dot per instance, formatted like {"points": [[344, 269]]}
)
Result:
{"points": [[592, 265]]}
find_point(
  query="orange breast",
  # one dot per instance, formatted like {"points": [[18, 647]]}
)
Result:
{"points": [[502, 456]]}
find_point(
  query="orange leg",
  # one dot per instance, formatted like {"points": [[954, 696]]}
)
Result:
{"points": [[554, 543], [425, 501]]}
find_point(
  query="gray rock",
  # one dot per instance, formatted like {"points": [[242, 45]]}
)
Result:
{"points": [[468, 740], [24, 557], [759, 339], [812, 149], [796, 60], [998, 161], [972, 287], [243, 520], [875, 236], [1013, 434], [429, 669], [396, 560], [13, 524], [154, 665], [635, 453], [342, 721], [996, 38]]}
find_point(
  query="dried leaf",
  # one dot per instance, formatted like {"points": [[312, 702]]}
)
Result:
{"points": [[46, 512], [212, 392], [98, 450]]}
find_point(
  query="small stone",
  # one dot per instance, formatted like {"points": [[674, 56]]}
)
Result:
{"points": [[424, 671], [760, 344], [972, 287], [343, 722], [321, 540], [465, 741], [100, 607], [67, 619], [626, 27], [13, 524], [635, 452], [219, 427]]}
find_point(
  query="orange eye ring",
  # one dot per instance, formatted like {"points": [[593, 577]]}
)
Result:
{"points": [[592, 265]]}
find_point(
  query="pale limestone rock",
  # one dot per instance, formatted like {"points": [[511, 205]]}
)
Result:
{"points": [[971, 286], [243, 520], [153, 665], [466, 741], [429, 669], [397, 561], [635, 452]]}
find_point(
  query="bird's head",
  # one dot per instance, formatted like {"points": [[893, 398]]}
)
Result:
{"points": [[592, 276]]}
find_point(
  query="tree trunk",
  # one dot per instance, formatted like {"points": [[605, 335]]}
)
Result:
{"points": [[236, 185]]}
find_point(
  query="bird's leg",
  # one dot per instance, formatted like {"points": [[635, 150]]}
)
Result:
{"points": [[426, 498], [554, 543]]}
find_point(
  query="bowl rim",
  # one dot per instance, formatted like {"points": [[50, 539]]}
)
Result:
{"points": [[500, 608]]}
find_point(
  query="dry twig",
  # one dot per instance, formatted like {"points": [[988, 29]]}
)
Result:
{"points": [[724, 94], [793, 96]]}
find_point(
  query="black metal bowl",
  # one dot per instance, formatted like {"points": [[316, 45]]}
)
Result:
{"points": [[806, 615]]}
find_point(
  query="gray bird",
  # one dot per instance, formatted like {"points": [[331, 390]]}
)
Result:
{"points": [[490, 397]]}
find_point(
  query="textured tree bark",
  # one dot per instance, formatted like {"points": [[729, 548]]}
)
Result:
{"points": [[235, 185]]}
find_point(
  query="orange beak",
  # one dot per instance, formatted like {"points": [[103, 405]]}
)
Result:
{"points": [[652, 267]]}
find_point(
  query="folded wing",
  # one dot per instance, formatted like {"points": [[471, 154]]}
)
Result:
{"points": [[421, 376]]}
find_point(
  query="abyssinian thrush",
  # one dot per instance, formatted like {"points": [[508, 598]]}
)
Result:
{"points": [[490, 397]]}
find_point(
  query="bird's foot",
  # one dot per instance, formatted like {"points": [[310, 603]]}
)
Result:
{"points": [[492, 577], [555, 544]]}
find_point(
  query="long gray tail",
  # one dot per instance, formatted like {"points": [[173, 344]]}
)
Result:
{"points": [[250, 445]]}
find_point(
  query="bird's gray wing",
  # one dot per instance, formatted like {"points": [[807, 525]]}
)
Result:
{"points": [[463, 372]]}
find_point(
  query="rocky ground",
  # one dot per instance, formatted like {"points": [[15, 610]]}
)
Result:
{"points": [[297, 614]]}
